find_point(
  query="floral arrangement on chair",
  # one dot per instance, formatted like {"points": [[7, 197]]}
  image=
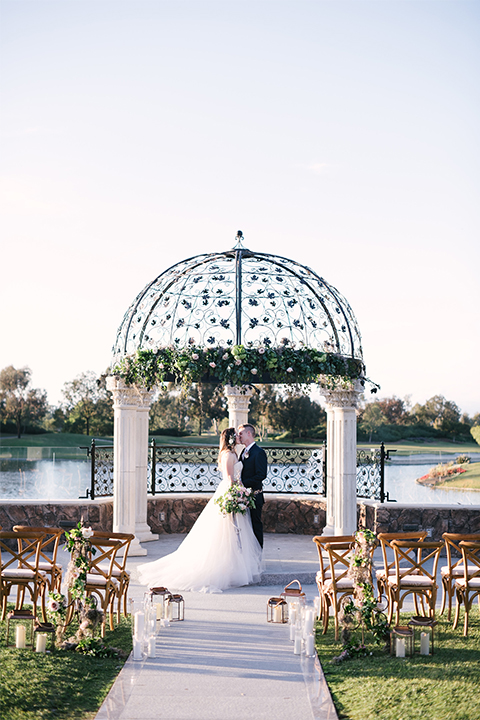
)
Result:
{"points": [[361, 614], [237, 499]]}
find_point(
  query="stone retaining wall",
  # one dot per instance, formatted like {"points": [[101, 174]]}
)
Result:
{"points": [[394, 517], [299, 514]]}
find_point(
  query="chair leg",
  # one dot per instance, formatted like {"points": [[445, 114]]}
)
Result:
{"points": [[326, 614], [458, 601]]}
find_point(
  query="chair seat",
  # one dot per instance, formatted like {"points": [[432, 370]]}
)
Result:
{"points": [[472, 582], [115, 573], [457, 571], [20, 574], [342, 584], [93, 579], [419, 581]]}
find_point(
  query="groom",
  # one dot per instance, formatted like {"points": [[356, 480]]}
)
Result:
{"points": [[254, 473]]}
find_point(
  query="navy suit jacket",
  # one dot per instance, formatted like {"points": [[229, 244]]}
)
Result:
{"points": [[254, 469]]}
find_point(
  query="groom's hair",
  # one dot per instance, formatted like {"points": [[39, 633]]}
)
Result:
{"points": [[250, 427]]}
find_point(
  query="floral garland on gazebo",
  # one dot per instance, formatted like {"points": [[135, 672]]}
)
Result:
{"points": [[237, 365]]}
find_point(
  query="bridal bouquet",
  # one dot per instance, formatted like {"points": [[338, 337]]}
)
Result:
{"points": [[237, 499]]}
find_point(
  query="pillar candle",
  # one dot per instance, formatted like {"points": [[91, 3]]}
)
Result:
{"points": [[309, 620], [152, 647], [292, 632], [400, 648], [309, 645], [297, 647], [20, 637], [41, 644], [292, 615], [139, 624], [277, 614], [159, 608], [424, 643], [137, 649]]}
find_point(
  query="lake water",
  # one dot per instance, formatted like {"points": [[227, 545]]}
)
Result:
{"points": [[36, 477]]}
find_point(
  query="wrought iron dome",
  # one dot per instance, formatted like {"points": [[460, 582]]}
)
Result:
{"points": [[239, 297]]}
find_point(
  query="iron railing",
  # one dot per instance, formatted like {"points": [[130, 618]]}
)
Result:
{"points": [[193, 468]]}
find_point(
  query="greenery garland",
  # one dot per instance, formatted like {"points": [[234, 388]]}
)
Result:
{"points": [[237, 365]]}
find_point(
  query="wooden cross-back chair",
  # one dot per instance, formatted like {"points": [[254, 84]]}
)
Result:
{"points": [[100, 580], [119, 571], [413, 575], [467, 588], [47, 563], [19, 569], [454, 568], [324, 573], [339, 585], [385, 540]]}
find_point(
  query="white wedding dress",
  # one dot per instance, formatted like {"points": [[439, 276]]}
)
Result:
{"points": [[218, 553]]}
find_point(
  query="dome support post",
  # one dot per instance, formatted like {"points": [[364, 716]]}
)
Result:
{"points": [[341, 459]]}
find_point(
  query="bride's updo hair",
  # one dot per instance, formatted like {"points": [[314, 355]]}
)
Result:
{"points": [[228, 440]]}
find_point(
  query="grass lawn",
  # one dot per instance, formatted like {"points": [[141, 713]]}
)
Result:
{"points": [[60, 685], [469, 479], [52, 440], [379, 687], [408, 448]]}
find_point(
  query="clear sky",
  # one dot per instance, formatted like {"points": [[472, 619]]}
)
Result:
{"points": [[341, 134]]}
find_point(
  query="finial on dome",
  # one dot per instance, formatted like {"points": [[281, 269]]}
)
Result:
{"points": [[239, 237]]}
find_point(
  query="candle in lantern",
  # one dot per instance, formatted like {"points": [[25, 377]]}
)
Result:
{"points": [[292, 632], [424, 643], [151, 647], [41, 644], [159, 607], [277, 614], [139, 624], [400, 648], [20, 637], [309, 645]]}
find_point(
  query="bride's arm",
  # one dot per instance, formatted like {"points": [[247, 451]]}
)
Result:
{"points": [[229, 465]]}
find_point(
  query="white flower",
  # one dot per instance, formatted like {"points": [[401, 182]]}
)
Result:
{"points": [[254, 371], [194, 356], [161, 366], [87, 532], [261, 350], [238, 361], [289, 369], [225, 357], [53, 605], [212, 364], [242, 506]]}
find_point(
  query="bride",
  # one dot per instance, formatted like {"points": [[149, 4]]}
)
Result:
{"points": [[220, 551]]}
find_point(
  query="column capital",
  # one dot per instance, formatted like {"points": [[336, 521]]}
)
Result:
{"points": [[346, 396], [123, 395]]}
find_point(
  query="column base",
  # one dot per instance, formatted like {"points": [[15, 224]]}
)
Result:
{"points": [[136, 550], [328, 530], [143, 533]]}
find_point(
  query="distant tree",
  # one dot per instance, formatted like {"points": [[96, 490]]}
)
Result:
{"points": [[372, 418], [88, 405], [296, 413], [393, 410], [206, 401], [18, 401], [438, 413], [262, 408]]}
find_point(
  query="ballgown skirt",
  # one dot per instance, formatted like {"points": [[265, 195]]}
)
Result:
{"points": [[218, 553]]}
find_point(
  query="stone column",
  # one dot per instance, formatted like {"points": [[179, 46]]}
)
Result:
{"points": [[342, 459], [238, 403], [142, 529], [329, 528], [125, 404]]}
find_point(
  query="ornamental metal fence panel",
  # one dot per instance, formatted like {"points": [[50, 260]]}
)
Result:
{"points": [[193, 468]]}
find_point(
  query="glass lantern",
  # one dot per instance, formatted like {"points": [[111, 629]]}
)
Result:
{"points": [[174, 608], [277, 610]]}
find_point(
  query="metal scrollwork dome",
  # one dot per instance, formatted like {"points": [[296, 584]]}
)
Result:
{"points": [[239, 297]]}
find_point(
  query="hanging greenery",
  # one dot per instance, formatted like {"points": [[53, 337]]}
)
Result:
{"points": [[237, 365]]}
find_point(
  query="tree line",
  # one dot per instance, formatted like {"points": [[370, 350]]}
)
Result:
{"points": [[277, 413]]}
